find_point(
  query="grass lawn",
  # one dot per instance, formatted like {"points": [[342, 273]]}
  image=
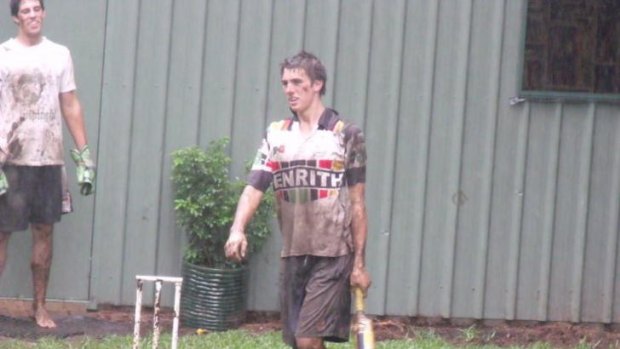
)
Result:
{"points": [[236, 339]]}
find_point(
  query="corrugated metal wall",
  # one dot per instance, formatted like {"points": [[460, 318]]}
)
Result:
{"points": [[478, 209]]}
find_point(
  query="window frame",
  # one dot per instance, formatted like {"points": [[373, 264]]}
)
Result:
{"points": [[550, 95]]}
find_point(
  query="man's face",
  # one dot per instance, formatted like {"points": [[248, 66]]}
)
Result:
{"points": [[29, 18], [299, 90]]}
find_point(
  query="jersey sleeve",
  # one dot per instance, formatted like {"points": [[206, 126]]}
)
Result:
{"points": [[261, 174], [67, 76], [355, 171]]}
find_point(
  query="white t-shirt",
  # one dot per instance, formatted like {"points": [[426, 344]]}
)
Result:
{"points": [[31, 79]]}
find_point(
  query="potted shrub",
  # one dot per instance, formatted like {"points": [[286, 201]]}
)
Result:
{"points": [[205, 200]]}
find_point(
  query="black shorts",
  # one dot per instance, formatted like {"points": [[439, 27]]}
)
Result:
{"points": [[315, 298], [34, 196]]}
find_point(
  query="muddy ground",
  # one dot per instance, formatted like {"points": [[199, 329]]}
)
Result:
{"points": [[110, 320]]}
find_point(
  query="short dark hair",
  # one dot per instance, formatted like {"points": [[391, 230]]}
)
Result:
{"points": [[310, 64], [15, 6]]}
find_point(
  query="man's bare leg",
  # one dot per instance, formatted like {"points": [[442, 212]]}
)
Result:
{"points": [[4, 242], [310, 343], [41, 262]]}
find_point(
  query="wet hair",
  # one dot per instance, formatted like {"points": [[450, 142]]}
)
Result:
{"points": [[310, 64], [15, 6]]}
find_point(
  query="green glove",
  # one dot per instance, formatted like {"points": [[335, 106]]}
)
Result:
{"points": [[85, 170], [4, 183]]}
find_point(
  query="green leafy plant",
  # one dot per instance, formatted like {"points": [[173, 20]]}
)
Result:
{"points": [[205, 200]]}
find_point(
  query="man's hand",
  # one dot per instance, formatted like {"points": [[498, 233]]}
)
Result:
{"points": [[236, 246], [360, 278], [85, 170], [4, 182]]}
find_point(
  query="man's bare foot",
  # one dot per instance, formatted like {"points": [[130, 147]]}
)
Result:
{"points": [[43, 318]]}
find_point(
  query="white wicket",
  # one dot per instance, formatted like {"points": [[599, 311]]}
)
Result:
{"points": [[140, 279]]}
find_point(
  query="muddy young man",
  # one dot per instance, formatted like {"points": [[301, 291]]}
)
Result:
{"points": [[316, 163], [37, 91]]}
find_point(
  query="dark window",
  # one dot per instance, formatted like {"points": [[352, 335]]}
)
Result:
{"points": [[572, 47]]}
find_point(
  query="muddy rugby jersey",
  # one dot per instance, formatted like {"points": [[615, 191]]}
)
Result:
{"points": [[31, 78], [310, 176]]}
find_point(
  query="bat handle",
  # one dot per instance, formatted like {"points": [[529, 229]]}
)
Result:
{"points": [[359, 300]]}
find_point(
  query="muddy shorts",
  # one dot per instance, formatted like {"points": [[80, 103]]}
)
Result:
{"points": [[34, 196], [315, 297]]}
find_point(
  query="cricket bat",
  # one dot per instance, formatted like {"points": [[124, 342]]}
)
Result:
{"points": [[364, 334]]}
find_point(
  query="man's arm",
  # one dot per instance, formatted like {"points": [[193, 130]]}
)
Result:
{"points": [[359, 276], [74, 117], [236, 246]]}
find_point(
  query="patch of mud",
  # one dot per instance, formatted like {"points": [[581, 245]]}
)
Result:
{"points": [[69, 326]]}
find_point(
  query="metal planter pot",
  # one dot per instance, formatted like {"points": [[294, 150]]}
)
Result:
{"points": [[213, 299]]}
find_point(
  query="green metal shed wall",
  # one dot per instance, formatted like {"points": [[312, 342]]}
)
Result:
{"points": [[478, 208]]}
